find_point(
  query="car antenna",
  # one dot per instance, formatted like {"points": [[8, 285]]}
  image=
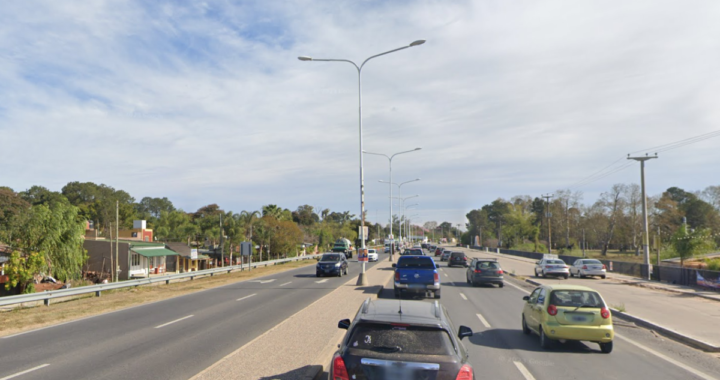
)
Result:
{"points": [[400, 310]]}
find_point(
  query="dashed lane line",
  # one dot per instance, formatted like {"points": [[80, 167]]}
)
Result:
{"points": [[175, 321], [482, 319], [463, 296], [24, 372], [286, 283], [524, 371], [246, 297]]}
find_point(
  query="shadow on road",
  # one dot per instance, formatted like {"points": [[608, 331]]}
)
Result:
{"points": [[307, 372], [508, 339]]}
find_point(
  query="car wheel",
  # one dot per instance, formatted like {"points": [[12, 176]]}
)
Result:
{"points": [[545, 342], [502, 284], [525, 328], [603, 277], [467, 279], [317, 275], [437, 294], [572, 274], [346, 271], [565, 276], [606, 348], [340, 272], [581, 275], [543, 275], [536, 273]]}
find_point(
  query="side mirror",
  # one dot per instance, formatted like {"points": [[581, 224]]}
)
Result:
{"points": [[464, 331], [394, 265], [526, 298], [537, 263], [344, 324]]}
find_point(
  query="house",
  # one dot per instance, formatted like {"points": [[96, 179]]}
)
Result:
{"points": [[136, 259], [189, 261]]}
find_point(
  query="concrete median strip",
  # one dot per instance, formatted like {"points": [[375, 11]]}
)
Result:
{"points": [[301, 346]]}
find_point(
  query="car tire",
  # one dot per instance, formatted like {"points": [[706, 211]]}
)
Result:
{"points": [[571, 274], [582, 275], [536, 273], [318, 275], [606, 348], [346, 271], [565, 276], [603, 277], [467, 279], [525, 329], [545, 342], [340, 273], [437, 294], [502, 284]]}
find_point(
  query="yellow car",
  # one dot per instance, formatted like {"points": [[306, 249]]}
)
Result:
{"points": [[568, 312]]}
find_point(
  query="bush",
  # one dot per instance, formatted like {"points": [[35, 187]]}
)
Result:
{"points": [[713, 264]]}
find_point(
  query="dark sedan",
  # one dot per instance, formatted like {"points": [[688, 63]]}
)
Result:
{"points": [[457, 258], [332, 264], [484, 271]]}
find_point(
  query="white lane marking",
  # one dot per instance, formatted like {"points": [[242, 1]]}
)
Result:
{"points": [[177, 320], [24, 372], [667, 359], [463, 296], [321, 281], [445, 274], [517, 287], [246, 297], [526, 374], [482, 319], [286, 283], [263, 281]]}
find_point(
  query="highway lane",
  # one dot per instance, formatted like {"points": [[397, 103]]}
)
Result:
{"points": [[500, 349], [170, 339]]}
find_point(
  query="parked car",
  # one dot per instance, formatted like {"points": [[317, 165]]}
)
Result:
{"points": [[445, 256], [390, 339], [457, 258], [424, 246], [439, 251], [372, 254], [416, 274], [413, 252], [551, 265], [333, 264], [484, 271], [588, 267], [568, 312], [432, 247]]}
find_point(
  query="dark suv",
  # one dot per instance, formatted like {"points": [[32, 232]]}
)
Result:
{"points": [[457, 258], [391, 339], [332, 264], [484, 271]]}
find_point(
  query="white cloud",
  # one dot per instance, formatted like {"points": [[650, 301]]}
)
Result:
{"points": [[207, 103]]}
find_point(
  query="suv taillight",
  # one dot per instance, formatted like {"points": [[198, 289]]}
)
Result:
{"points": [[585, 267], [500, 271], [397, 276], [339, 371], [605, 313], [436, 277], [465, 373], [552, 310], [477, 271]]}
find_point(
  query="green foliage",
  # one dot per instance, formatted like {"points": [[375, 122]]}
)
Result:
{"points": [[21, 270], [690, 244], [713, 264]]}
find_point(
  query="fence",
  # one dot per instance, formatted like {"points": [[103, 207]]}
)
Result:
{"points": [[97, 289], [668, 273]]}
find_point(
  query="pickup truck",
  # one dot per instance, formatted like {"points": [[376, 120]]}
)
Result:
{"points": [[416, 274]]}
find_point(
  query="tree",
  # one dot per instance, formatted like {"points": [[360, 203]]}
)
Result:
{"points": [[305, 215], [611, 206], [247, 220], [37, 195], [688, 244], [21, 270], [11, 205]]}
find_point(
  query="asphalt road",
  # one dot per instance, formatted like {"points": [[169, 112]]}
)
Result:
{"points": [[170, 339], [499, 349]]}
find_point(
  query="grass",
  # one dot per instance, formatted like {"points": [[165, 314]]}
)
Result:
{"points": [[628, 256], [21, 318]]}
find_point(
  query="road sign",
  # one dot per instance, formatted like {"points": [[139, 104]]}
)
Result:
{"points": [[363, 232], [246, 248], [362, 254], [193, 254]]}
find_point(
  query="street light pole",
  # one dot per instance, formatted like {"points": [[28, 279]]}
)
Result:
{"points": [[362, 280], [646, 239], [390, 158]]}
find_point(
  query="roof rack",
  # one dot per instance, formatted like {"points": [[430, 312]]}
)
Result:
{"points": [[365, 306], [437, 309]]}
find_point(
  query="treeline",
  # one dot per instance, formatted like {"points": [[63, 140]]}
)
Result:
{"points": [[613, 221]]}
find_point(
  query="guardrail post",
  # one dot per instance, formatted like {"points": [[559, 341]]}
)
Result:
{"points": [[167, 282], [46, 301], [229, 270], [212, 274], [192, 278], [97, 294]]}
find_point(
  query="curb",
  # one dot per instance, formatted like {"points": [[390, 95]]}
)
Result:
{"points": [[667, 332], [655, 287]]}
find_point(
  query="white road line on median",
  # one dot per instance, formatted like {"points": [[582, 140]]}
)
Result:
{"points": [[517, 287], [445, 274], [482, 319], [667, 359], [526, 374], [463, 296], [286, 283], [246, 297], [321, 281], [24, 372], [177, 320]]}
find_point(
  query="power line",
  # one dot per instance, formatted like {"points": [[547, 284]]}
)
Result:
{"points": [[681, 143]]}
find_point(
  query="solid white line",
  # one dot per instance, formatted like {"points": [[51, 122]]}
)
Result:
{"points": [[321, 281], [482, 319], [240, 299], [177, 320], [24, 372], [667, 359], [286, 283], [463, 296], [517, 287], [526, 374]]}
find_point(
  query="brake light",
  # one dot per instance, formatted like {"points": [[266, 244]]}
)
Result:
{"points": [[584, 266], [552, 310], [547, 267], [465, 258], [397, 276], [465, 373], [436, 277], [339, 371], [605, 313], [500, 272], [604, 266], [477, 271]]}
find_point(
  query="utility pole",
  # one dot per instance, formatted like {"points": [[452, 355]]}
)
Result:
{"points": [[547, 218], [583, 242], [117, 230], [222, 246], [646, 240]]}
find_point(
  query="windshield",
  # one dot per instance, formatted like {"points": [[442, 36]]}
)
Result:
{"points": [[576, 298], [591, 262], [554, 262], [416, 262], [388, 338], [330, 258]]}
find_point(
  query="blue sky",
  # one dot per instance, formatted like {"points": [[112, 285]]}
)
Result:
{"points": [[207, 102]]}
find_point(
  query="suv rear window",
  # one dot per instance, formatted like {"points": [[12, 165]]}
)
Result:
{"points": [[414, 251], [487, 265], [413, 340], [416, 262], [457, 254]]}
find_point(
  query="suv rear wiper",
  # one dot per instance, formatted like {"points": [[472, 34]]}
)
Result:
{"points": [[387, 348], [583, 305]]}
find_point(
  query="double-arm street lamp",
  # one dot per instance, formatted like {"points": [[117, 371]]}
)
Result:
{"points": [[390, 158], [405, 220], [362, 280], [402, 207]]}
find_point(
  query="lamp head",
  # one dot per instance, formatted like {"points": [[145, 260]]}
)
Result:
{"points": [[304, 58], [418, 148], [417, 43]]}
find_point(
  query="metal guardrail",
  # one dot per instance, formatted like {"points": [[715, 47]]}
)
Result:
{"points": [[97, 289]]}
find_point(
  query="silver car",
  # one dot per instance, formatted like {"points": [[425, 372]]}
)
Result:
{"points": [[551, 265], [588, 267], [372, 255]]}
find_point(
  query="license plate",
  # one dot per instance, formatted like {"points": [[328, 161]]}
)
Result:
{"points": [[579, 318]]}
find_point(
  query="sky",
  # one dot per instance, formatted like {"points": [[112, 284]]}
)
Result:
{"points": [[207, 102]]}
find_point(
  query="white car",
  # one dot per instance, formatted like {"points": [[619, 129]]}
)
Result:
{"points": [[588, 267], [372, 255], [551, 265]]}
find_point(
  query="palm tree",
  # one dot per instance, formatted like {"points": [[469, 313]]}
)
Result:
{"points": [[248, 219]]}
